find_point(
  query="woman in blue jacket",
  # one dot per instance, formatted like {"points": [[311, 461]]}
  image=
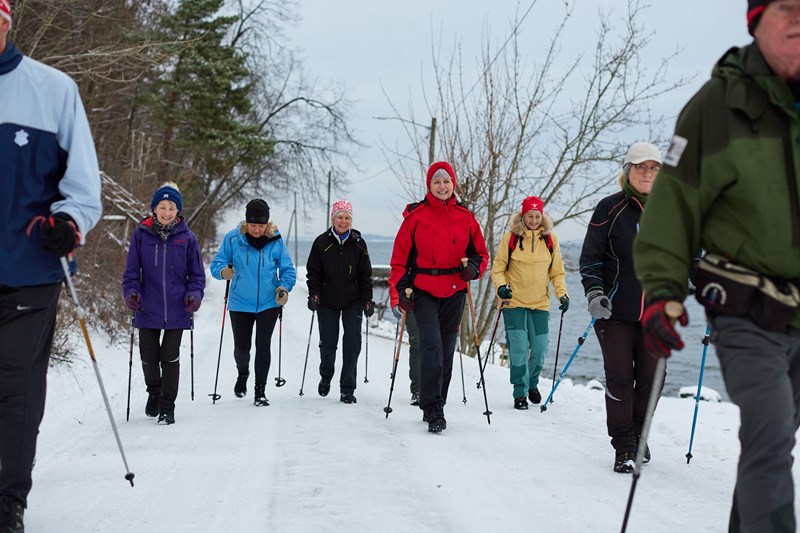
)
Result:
{"points": [[163, 284], [255, 260]]}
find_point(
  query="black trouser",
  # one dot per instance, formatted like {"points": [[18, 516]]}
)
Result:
{"points": [[242, 326], [629, 379], [413, 351], [351, 344], [27, 324], [438, 320], [161, 363]]}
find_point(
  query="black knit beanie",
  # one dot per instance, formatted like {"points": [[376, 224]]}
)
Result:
{"points": [[754, 10], [257, 212]]}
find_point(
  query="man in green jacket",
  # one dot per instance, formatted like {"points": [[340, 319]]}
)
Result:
{"points": [[729, 186]]}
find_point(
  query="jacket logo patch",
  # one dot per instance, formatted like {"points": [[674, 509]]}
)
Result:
{"points": [[675, 150], [21, 138]]}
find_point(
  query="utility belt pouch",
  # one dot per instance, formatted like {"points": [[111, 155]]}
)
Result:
{"points": [[725, 288]]}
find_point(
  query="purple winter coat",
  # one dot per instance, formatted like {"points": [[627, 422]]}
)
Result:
{"points": [[163, 274]]}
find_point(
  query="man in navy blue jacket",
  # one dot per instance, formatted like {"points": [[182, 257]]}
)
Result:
{"points": [[51, 198]]}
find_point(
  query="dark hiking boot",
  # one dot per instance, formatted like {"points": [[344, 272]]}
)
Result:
{"points": [[260, 399], [535, 396], [435, 418], [646, 456], [414, 398], [11, 514], [521, 403], [348, 398], [623, 462], [166, 417], [324, 387], [240, 389], [151, 408]]}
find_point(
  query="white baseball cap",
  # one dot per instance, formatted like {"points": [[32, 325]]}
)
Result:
{"points": [[641, 152]]}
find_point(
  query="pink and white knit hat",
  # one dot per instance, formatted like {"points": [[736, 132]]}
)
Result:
{"points": [[338, 206], [5, 10]]}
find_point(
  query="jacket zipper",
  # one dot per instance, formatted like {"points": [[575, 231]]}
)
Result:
{"points": [[164, 280]]}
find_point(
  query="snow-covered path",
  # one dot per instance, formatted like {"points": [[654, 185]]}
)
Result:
{"points": [[315, 464]]}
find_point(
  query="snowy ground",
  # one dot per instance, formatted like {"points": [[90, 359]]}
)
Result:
{"points": [[315, 464]]}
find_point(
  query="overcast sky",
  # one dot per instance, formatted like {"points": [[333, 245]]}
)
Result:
{"points": [[366, 45]]}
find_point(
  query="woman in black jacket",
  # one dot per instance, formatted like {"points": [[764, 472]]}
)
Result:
{"points": [[616, 300], [339, 278]]}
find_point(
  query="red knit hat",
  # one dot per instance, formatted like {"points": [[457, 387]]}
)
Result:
{"points": [[5, 10], [436, 166], [754, 10], [532, 202]]}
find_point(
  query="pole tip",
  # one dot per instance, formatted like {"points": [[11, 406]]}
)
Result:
{"points": [[129, 477]]}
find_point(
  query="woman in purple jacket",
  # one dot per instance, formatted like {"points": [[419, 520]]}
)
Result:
{"points": [[163, 285]]}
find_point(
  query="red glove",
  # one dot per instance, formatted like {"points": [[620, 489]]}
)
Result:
{"points": [[658, 324]]}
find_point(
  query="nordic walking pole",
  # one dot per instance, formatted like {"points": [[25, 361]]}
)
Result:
{"points": [[215, 396], [191, 349], [581, 340], [279, 381], [366, 353], [308, 347], [396, 335], [463, 387], [697, 396], [673, 311], [130, 372], [81, 318], [388, 408], [488, 413], [558, 349], [494, 332]]}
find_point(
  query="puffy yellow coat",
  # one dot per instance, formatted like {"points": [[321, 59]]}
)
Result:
{"points": [[533, 268]]}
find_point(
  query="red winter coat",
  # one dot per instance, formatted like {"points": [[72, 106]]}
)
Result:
{"points": [[435, 234]]}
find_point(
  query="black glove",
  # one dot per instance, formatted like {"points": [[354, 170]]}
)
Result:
{"points": [[60, 233], [564, 301], [369, 308], [504, 292], [472, 270], [313, 302]]}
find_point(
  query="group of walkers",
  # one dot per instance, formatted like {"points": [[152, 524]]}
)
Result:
{"points": [[734, 155]]}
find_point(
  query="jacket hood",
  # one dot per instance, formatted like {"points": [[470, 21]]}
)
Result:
{"points": [[272, 229], [517, 226], [747, 61]]}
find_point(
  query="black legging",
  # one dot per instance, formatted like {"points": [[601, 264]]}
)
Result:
{"points": [[161, 363], [242, 326]]}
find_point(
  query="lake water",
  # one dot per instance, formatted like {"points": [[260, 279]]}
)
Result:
{"points": [[683, 367]]}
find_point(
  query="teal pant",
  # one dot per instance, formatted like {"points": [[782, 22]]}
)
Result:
{"points": [[527, 337]]}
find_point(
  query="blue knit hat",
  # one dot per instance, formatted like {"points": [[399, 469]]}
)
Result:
{"points": [[167, 192]]}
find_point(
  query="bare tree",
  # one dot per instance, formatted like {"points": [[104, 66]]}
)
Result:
{"points": [[557, 130]]}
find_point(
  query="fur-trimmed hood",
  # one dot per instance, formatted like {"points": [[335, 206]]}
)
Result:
{"points": [[271, 229], [517, 226]]}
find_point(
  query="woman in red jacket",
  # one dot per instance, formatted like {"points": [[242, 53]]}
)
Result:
{"points": [[429, 277]]}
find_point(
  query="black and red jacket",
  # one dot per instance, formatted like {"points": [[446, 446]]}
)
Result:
{"points": [[607, 255]]}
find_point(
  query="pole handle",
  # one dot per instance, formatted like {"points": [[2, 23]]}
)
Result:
{"points": [[674, 310]]}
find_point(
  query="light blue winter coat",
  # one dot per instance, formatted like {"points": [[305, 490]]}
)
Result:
{"points": [[258, 273]]}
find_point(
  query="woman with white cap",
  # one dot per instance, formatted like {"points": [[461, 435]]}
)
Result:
{"points": [[616, 300], [339, 279]]}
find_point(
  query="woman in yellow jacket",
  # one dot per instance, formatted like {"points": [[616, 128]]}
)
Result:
{"points": [[527, 261]]}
